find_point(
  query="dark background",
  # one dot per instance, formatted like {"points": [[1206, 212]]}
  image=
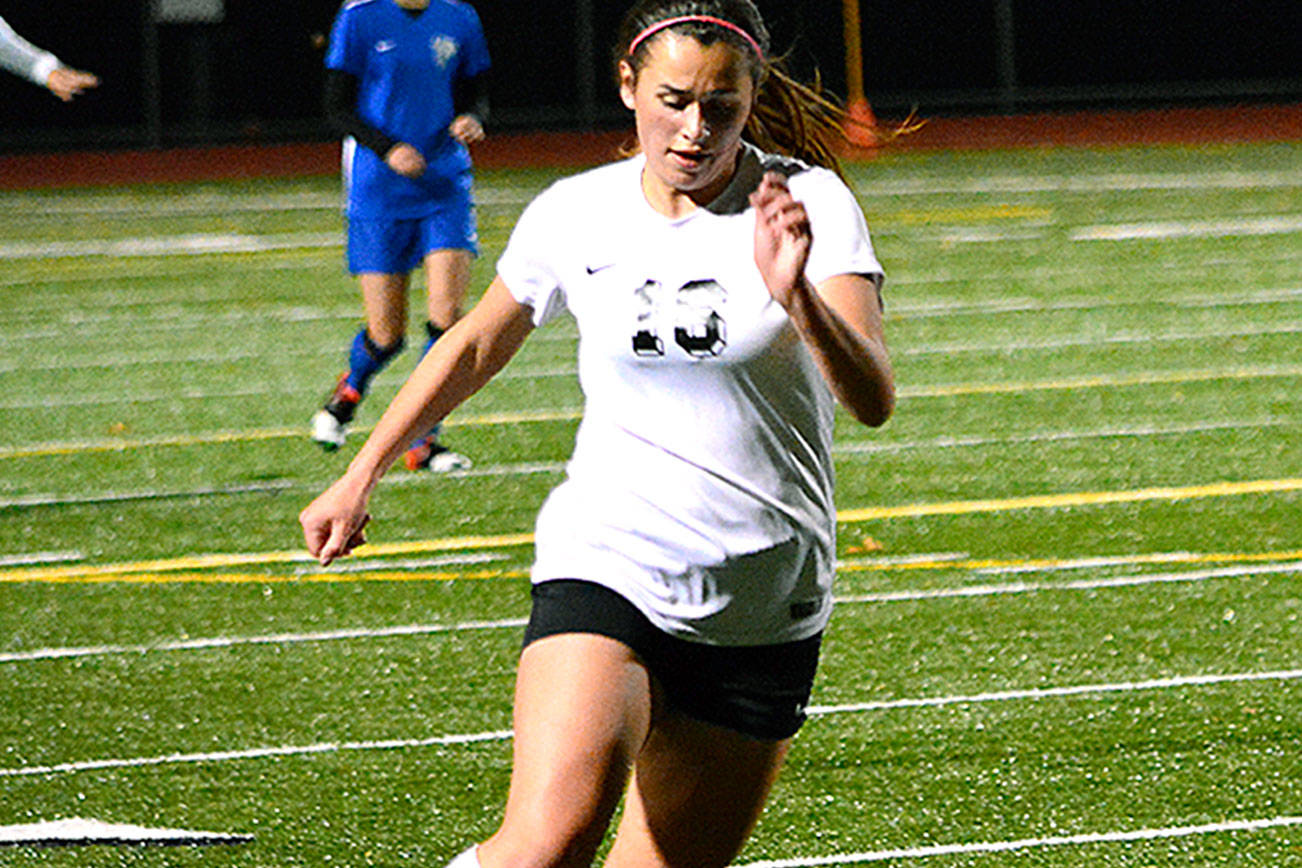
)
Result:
{"points": [[256, 75]]}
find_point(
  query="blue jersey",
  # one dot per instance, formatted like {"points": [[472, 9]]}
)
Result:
{"points": [[408, 67]]}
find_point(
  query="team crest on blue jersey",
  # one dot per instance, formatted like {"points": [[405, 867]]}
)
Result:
{"points": [[444, 49]]}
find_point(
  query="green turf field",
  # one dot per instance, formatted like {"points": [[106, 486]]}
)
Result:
{"points": [[1067, 630]]}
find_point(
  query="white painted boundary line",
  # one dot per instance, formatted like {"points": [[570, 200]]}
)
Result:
{"points": [[488, 194], [1274, 224], [78, 831], [171, 245], [1030, 843], [199, 244], [1038, 693], [870, 447], [1136, 580], [270, 639], [32, 558], [850, 449], [1081, 585], [502, 735], [257, 753], [555, 414]]}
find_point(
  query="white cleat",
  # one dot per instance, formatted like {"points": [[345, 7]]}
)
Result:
{"points": [[447, 461], [327, 431]]}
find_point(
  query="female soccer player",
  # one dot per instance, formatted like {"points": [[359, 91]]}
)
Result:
{"points": [[725, 297], [406, 84], [41, 67]]}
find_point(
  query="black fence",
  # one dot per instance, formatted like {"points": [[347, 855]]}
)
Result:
{"points": [[255, 74]]}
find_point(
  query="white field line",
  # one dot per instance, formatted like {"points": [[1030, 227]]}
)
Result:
{"points": [[1039, 693], [61, 207], [1011, 588], [487, 194], [1286, 224], [131, 298], [869, 447], [34, 558], [519, 372], [997, 346], [1102, 340], [1036, 694], [364, 566], [998, 307], [1137, 580], [529, 468], [270, 639], [21, 501], [83, 831], [1271, 224], [1147, 378], [1085, 838], [199, 244], [105, 362], [202, 244], [196, 244], [1081, 183]]}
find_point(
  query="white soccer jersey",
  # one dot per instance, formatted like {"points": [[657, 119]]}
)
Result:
{"points": [[700, 487], [21, 57]]}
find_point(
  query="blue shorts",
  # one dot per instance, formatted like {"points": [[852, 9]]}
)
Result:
{"points": [[397, 245]]}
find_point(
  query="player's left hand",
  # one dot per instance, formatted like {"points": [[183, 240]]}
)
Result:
{"points": [[782, 237], [466, 129], [65, 83]]}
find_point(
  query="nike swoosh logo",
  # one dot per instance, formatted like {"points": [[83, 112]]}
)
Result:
{"points": [[593, 269]]}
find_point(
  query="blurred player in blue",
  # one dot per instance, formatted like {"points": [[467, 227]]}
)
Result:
{"points": [[406, 85]]}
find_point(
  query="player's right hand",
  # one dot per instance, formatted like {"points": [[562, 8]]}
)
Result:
{"points": [[334, 524], [405, 160]]}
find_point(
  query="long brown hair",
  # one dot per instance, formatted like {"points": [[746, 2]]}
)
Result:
{"points": [[789, 117]]}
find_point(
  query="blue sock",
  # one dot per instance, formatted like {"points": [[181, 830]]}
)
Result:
{"points": [[366, 359]]}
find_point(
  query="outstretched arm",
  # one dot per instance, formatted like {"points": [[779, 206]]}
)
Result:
{"points": [[20, 56], [457, 366], [840, 320]]}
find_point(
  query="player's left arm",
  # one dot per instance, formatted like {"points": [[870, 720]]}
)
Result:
{"points": [[840, 320], [470, 103]]}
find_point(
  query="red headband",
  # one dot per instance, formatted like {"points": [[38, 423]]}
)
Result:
{"points": [[705, 19]]}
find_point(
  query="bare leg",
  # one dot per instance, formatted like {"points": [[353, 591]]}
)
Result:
{"points": [[447, 277], [697, 793], [385, 298], [582, 713]]}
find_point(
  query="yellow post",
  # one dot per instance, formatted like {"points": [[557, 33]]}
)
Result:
{"points": [[861, 128]]}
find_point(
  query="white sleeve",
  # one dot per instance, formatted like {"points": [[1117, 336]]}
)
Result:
{"points": [[528, 265], [21, 57], [841, 241]]}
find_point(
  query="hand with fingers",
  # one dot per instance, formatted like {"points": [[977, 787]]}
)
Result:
{"points": [[467, 129], [406, 160], [782, 237], [334, 524]]}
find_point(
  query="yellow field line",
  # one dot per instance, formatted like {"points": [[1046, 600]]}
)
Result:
{"points": [[108, 572], [515, 418], [295, 556], [1081, 498], [380, 575]]}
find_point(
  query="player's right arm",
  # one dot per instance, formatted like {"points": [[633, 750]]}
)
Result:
{"points": [[458, 365], [41, 67]]}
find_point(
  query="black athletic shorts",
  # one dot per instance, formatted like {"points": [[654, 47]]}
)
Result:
{"points": [[758, 690]]}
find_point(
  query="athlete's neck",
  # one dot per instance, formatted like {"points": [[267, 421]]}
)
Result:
{"points": [[413, 5]]}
